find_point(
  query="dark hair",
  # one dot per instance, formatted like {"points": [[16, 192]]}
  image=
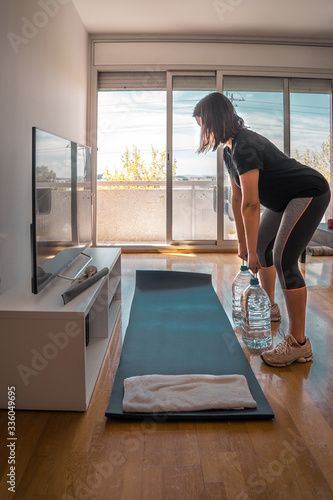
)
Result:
{"points": [[219, 122]]}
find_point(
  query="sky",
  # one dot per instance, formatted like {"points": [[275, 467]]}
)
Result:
{"points": [[139, 118], [127, 118]]}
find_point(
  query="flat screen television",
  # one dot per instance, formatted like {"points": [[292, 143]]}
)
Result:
{"points": [[61, 226]]}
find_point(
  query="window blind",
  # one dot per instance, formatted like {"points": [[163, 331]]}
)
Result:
{"points": [[253, 83], [184, 82], [310, 85], [132, 80]]}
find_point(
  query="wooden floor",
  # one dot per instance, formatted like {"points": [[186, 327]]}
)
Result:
{"points": [[86, 456]]}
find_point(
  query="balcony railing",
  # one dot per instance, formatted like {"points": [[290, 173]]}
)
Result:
{"points": [[135, 211]]}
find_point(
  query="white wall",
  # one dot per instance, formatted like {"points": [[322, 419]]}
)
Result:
{"points": [[43, 83]]}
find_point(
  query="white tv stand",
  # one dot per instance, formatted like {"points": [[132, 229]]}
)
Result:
{"points": [[43, 349]]}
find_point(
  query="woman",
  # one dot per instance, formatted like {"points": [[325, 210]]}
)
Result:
{"points": [[295, 197]]}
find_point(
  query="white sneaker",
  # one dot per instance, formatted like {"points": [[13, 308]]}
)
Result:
{"points": [[287, 352]]}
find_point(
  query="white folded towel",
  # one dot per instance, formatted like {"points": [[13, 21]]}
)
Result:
{"points": [[163, 393]]}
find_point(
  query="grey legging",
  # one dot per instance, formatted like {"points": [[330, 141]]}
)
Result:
{"points": [[284, 235]]}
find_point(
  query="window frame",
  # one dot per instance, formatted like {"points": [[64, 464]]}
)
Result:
{"points": [[221, 71]]}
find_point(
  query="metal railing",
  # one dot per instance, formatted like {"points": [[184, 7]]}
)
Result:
{"points": [[135, 211]]}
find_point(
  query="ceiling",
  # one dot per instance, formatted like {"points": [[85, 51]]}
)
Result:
{"points": [[281, 19]]}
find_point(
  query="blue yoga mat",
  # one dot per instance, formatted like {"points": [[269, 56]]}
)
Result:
{"points": [[177, 326]]}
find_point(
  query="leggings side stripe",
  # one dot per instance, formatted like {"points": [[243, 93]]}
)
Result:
{"points": [[298, 218]]}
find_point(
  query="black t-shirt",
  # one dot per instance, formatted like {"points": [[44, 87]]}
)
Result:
{"points": [[280, 178]]}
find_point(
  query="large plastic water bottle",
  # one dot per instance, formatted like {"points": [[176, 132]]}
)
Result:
{"points": [[241, 281], [256, 316]]}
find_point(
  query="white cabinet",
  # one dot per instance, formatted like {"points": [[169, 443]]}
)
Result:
{"points": [[43, 351]]}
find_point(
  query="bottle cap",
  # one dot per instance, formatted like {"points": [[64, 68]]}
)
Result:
{"points": [[243, 268], [254, 281]]}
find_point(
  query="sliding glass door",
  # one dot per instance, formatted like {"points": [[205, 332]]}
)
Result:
{"points": [[131, 159], [148, 192], [193, 194], [260, 102], [311, 125], [153, 188]]}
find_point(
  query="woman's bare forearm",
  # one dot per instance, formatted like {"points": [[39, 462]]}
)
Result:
{"points": [[251, 219], [236, 208], [251, 216]]}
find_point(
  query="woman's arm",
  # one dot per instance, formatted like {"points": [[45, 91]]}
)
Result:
{"points": [[250, 210], [236, 203]]}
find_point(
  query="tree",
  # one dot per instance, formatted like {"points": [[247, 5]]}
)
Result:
{"points": [[135, 169], [320, 161], [44, 174]]}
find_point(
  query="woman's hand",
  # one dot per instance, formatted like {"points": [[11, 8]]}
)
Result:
{"points": [[253, 262]]}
